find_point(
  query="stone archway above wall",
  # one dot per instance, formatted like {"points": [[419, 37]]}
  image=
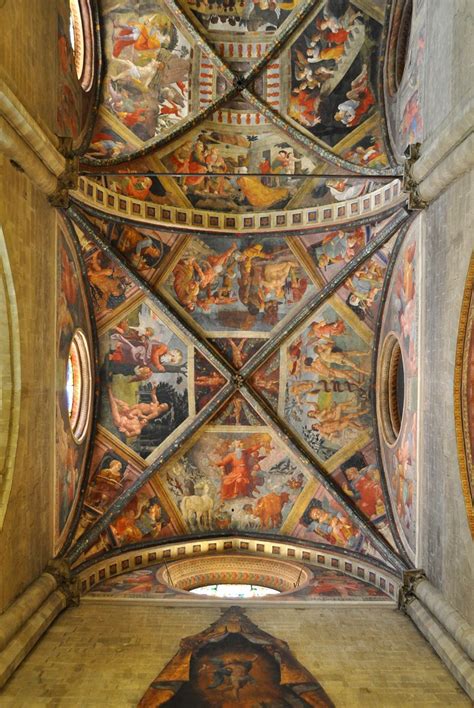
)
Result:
{"points": [[9, 377]]}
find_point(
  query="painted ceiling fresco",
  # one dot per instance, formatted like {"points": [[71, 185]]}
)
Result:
{"points": [[236, 371], [231, 106], [236, 387], [72, 315]]}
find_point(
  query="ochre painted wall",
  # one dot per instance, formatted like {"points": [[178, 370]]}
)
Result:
{"points": [[28, 224], [30, 68], [29, 56], [107, 655]]}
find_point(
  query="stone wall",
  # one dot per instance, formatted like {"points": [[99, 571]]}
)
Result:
{"points": [[107, 655], [449, 59], [29, 67], [447, 549], [28, 224], [29, 56]]}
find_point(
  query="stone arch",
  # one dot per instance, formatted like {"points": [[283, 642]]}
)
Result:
{"points": [[9, 377]]}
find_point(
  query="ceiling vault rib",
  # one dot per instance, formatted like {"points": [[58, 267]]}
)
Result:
{"points": [[324, 294], [321, 476]]}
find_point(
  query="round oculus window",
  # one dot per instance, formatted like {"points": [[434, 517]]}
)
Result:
{"points": [[391, 389], [81, 37], [78, 385]]}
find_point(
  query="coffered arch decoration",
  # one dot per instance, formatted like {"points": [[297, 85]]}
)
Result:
{"points": [[10, 377], [299, 571]]}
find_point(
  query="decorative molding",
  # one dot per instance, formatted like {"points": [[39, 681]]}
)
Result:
{"points": [[374, 204], [95, 571], [464, 346], [411, 578], [410, 185]]}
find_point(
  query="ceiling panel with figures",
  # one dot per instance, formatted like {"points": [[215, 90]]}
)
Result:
{"points": [[238, 218]]}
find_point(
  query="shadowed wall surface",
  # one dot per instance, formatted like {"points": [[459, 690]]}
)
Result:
{"points": [[371, 658], [446, 549]]}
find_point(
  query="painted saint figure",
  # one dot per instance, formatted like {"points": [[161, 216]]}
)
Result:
{"points": [[237, 466]]}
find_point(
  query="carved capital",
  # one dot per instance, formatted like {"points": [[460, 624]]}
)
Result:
{"points": [[61, 571], [67, 181], [415, 202], [411, 578], [65, 145]]}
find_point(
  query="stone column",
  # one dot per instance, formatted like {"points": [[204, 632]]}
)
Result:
{"points": [[29, 148], [445, 156], [445, 629], [460, 630], [28, 618], [447, 649], [45, 146], [24, 158]]}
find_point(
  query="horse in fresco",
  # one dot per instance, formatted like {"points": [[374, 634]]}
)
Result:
{"points": [[197, 509]]}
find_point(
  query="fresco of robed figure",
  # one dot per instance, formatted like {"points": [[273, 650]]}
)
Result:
{"points": [[235, 480], [234, 663]]}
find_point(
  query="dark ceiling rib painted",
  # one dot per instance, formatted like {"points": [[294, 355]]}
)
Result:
{"points": [[304, 454]]}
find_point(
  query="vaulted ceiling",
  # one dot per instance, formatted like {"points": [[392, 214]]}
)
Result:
{"points": [[237, 222]]}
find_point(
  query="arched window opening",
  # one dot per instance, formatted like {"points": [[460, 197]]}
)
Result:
{"points": [[242, 591]]}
